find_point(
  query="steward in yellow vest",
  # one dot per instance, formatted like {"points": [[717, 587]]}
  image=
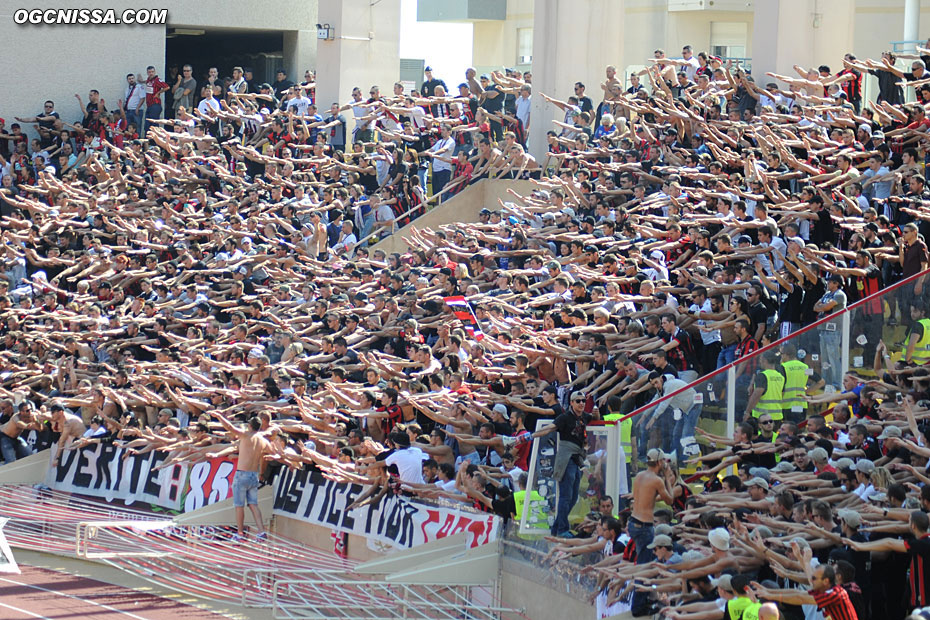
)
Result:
{"points": [[765, 393]]}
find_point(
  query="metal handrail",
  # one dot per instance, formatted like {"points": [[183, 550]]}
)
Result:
{"points": [[776, 344]]}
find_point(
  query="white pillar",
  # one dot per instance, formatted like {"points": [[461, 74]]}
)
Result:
{"points": [[572, 42], [801, 32], [911, 23], [365, 51]]}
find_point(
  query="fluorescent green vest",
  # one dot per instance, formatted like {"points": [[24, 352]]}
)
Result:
{"points": [[921, 354], [795, 385], [536, 517], [770, 402], [626, 434]]}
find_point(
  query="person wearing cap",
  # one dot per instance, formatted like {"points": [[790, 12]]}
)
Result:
{"points": [[863, 469], [428, 89], [648, 486], [664, 549], [675, 417], [821, 461], [832, 302]]}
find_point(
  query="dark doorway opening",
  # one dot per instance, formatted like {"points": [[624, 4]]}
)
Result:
{"points": [[224, 49]]}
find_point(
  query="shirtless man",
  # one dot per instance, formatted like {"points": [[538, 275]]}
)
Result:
{"points": [[648, 485], [252, 446], [12, 445], [71, 428]]}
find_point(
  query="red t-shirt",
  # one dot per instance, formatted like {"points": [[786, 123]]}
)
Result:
{"points": [[152, 86]]}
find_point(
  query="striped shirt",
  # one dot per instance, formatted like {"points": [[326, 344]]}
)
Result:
{"points": [[835, 604], [919, 550]]}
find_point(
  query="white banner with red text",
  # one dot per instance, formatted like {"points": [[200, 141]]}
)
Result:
{"points": [[101, 471], [398, 521]]}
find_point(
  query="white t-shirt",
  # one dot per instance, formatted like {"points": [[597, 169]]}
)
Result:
{"points": [[208, 104], [300, 105], [409, 462], [444, 148]]}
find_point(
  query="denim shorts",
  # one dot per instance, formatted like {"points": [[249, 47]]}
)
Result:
{"points": [[245, 488]]}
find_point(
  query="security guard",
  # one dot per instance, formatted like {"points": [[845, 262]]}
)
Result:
{"points": [[918, 339], [797, 377], [765, 394], [536, 517], [627, 440]]}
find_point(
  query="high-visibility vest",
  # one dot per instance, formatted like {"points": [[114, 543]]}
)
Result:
{"points": [[536, 517], [921, 354], [770, 402], [795, 385], [742, 608], [626, 434]]}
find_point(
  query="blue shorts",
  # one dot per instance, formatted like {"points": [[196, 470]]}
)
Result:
{"points": [[245, 488]]}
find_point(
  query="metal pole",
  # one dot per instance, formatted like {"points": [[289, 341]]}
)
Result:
{"points": [[911, 23], [844, 343], [731, 403]]}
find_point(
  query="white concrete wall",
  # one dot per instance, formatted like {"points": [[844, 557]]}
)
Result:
{"points": [[344, 63], [786, 33], [55, 62], [571, 45]]}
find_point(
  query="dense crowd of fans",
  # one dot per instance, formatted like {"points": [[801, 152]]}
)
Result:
{"points": [[217, 263]]}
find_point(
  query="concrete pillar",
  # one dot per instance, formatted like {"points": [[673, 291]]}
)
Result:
{"points": [[365, 51], [571, 44], [911, 23], [299, 52], [801, 32]]}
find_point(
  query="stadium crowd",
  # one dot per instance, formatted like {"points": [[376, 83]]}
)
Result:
{"points": [[217, 263]]}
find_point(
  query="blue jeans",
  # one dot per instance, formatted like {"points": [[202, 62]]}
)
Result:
{"points": [[367, 224], [245, 488], [440, 179], [568, 495], [685, 428], [726, 356], [152, 111], [742, 393], [641, 534], [830, 356], [13, 448], [421, 172], [135, 117]]}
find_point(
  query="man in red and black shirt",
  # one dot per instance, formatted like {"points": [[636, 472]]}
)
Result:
{"points": [[389, 405], [830, 598], [917, 547], [154, 87]]}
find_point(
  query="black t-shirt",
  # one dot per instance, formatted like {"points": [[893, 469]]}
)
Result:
{"points": [[758, 314], [531, 418], [572, 427], [493, 104], [870, 447], [812, 294], [822, 229], [791, 303]]}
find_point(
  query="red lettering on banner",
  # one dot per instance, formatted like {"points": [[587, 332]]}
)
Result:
{"points": [[209, 482]]}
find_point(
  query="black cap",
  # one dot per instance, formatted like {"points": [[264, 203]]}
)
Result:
{"points": [[484, 211]]}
